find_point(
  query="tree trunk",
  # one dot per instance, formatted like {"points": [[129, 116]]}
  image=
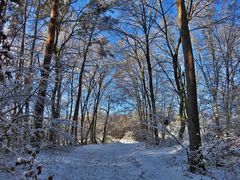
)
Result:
{"points": [[179, 79], [28, 79], [153, 108], [41, 95], [77, 105], [19, 103], [228, 97], [145, 93], [106, 122], [152, 96], [79, 94], [95, 112], [56, 99], [21, 61], [195, 156], [71, 92], [85, 104], [182, 117], [216, 115]]}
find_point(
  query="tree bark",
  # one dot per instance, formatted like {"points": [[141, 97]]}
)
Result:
{"points": [[195, 156], [41, 95]]}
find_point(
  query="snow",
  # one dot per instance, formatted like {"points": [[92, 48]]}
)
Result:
{"points": [[117, 161], [123, 160]]}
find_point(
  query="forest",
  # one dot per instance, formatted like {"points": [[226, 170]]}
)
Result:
{"points": [[119, 89]]}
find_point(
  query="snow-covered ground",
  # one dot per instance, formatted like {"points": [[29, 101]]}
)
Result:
{"points": [[119, 161]]}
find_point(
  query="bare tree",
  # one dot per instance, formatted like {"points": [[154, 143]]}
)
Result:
{"points": [[195, 156], [41, 95]]}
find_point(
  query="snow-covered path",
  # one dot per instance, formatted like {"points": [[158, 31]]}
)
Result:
{"points": [[116, 162]]}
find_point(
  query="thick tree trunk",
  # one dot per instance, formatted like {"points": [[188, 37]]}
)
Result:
{"points": [[39, 106], [195, 156]]}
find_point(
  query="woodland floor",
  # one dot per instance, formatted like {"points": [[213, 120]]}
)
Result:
{"points": [[119, 161]]}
